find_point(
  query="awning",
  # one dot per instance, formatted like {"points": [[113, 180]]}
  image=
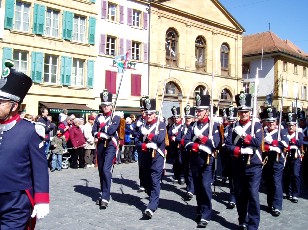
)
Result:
{"points": [[55, 107]]}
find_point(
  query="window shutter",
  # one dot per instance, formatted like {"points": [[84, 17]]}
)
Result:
{"points": [[64, 25], [132, 84], [107, 80], [102, 45], [113, 82], [35, 15], [90, 74], [33, 66], [121, 46], [62, 70], [9, 14], [7, 54], [41, 19], [145, 52], [138, 85], [129, 16], [135, 85], [121, 14], [145, 20], [69, 25], [104, 9], [38, 68], [128, 48], [92, 23], [68, 71]]}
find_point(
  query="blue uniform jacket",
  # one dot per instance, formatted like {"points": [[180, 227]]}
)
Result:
{"points": [[23, 164], [252, 141]]}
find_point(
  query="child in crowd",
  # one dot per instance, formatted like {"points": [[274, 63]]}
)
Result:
{"points": [[58, 145]]}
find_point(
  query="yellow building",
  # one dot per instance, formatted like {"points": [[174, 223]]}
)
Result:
{"points": [[53, 42], [190, 41]]}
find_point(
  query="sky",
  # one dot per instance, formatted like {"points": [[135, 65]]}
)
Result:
{"points": [[287, 19]]}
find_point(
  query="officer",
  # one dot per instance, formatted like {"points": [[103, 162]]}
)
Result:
{"points": [[174, 145], [245, 146], [105, 130], [185, 155], [304, 127], [293, 163], [274, 144], [152, 145], [202, 146], [23, 167]]}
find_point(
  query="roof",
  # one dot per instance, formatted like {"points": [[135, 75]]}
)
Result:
{"points": [[58, 107], [271, 43]]}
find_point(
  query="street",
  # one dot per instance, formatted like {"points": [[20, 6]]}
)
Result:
{"points": [[73, 193]]}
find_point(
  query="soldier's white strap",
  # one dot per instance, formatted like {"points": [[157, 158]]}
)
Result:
{"points": [[150, 129], [199, 130], [245, 129]]}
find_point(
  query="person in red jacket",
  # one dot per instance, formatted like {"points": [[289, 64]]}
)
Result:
{"points": [[78, 141]]}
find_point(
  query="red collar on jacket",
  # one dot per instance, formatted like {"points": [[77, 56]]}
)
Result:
{"points": [[152, 122], [204, 120], [107, 114], [15, 118], [244, 122], [290, 133]]}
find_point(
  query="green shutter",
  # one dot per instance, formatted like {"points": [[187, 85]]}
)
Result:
{"points": [[39, 64], [62, 70], [35, 13], [68, 25], [9, 14], [92, 25], [7, 54], [68, 71], [90, 74], [41, 20], [33, 65], [64, 26]]}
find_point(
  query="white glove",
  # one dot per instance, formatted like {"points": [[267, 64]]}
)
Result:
{"points": [[174, 131], [40, 211], [240, 131], [247, 150], [104, 135], [139, 123], [268, 139], [206, 149], [275, 149], [145, 131], [173, 138], [151, 145]]}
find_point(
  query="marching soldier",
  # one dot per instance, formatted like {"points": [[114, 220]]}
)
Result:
{"points": [[174, 145], [292, 168], [201, 146], [247, 163], [151, 143], [105, 130], [274, 144], [185, 155], [304, 127], [23, 167]]}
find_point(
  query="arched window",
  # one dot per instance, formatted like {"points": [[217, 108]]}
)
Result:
{"points": [[224, 58], [171, 47], [201, 90], [171, 88], [200, 46]]}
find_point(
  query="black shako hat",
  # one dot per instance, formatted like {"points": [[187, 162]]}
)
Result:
{"points": [[291, 118], [301, 115], [14, 85], [202, 101], [176, 112], [243, 101], [269, 114], [141, 102], [230, 113], [149, 106], [189, 112], [106, 97]]}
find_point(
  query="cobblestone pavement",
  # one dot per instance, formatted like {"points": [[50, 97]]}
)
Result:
{"points": [[73, 194]]}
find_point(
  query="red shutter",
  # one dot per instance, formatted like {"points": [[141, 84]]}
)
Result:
{"points": [[108, 80], [136, 85], [113, 83]]}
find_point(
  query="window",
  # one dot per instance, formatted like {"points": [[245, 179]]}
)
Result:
{"points": [[52, 23], [285, 88], [246, 68], [304, 93], [201, 90], [200, 52], [171, 47], [50, 69], [295, 90], [295, 69], [305, 71], [224, 57], [170, 88], [285, 66], [20, 60], [136, 18], [22, 16], [136, 50], [111, 46], [112, 12], [77, 72], [79, 28]]}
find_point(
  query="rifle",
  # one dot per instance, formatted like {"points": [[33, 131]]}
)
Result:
{"points": [[280, 118]]}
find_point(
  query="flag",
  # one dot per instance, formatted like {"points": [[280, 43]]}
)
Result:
{"points": [[121, 61]]}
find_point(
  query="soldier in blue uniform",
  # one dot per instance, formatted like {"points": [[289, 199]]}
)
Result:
{"points": [[189, 115], [152, 145], [174, 145], [293, 163], [201, 144], [105, 130], [274, 144], [245, 146], [304, 128], [23, 167]]}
